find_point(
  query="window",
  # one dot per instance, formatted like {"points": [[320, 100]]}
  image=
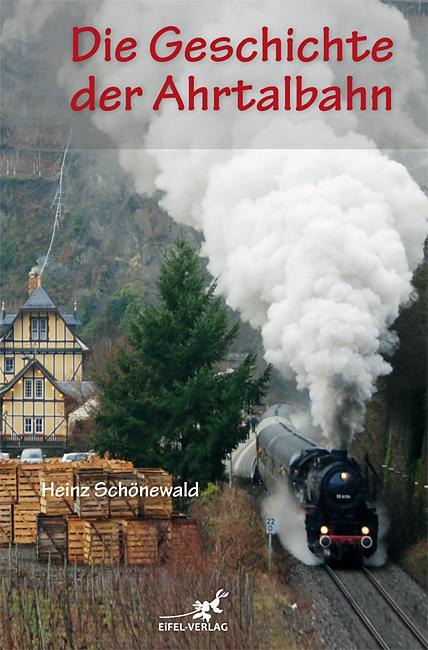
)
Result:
{"points": [[39, 329], [39, 425], [38, 388], [43, 329], [9, 365], [28, 388], [35, 328], [28, 425]]}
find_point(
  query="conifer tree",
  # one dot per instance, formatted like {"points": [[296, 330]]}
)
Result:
{"points": [[162, 400]]}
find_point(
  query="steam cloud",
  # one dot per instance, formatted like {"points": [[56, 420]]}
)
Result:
{"points": [[290, 520], [315, 247]]}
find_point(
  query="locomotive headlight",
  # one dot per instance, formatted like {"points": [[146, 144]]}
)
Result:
{"points": [[365, 530], [323, 530], [344, 476]]}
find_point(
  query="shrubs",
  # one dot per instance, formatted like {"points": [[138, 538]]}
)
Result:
{"points": [[104, 608], [110, 609], [233, 532]]}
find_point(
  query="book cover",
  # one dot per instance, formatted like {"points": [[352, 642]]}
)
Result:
{"points": [[213, 220]]}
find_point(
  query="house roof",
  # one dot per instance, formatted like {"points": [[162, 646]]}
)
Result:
{"points": [[39, 299], [21, 373], [6, 320], [71, 320], [78, 391]]}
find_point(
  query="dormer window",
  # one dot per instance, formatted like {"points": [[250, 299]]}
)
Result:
{"points": [[39, 329]]}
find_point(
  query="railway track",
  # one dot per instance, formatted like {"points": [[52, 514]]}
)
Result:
{"points": [[387, 598]]}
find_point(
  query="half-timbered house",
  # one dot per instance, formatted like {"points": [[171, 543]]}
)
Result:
{"points": [[42, 362]]}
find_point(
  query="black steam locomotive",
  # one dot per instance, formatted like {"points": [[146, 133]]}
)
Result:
{"points": [[341, 524]]}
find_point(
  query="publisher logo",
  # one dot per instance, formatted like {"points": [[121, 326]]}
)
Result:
{"points": [[202, 611]]}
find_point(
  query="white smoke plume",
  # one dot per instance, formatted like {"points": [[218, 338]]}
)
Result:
{"points": [[315, 247], [290, 521]]}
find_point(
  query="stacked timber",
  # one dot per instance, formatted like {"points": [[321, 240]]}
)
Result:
{"points": [[158, 505], [101, 542], [8, 483], [140, 542], [94, 512], [89, 504], [6, 523], [121, 506], [51, 538], [75, 540], [29, 484], [115, 465], [25, 523], [57, 490]]}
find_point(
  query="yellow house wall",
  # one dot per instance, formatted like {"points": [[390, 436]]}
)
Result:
{"points": [[51, 408], [60, 354]]}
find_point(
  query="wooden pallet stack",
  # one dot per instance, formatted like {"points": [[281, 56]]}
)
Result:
{"points": [[6, 523], [24, 524], [140, 541], [75, 539], [102, 542], [91, 506], [29, 483], [158, 505], [57, 506], [28, 507], [51, 538], [115, 465], [56, 495], [123, 505], [8, 498], [8, 482]]}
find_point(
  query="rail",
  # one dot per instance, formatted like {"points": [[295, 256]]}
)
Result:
{"points": [[357, 609], [387, 598], [397, 609]]}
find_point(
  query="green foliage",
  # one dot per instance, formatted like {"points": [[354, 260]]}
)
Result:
{"points": [[211, 492], [113, 319], [162, 400]]}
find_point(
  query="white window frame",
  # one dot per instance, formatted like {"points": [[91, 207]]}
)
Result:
{"points": [[28, 382], [43, 335], [39, 382], [39, 333], [28, 425], [9, 372], [38, 420], [34, 329]]}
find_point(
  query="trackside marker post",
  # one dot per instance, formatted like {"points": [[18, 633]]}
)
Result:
{"points": [[270, 530]]}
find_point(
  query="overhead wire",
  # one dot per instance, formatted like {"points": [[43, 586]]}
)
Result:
{"points": [[58, 199]]}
